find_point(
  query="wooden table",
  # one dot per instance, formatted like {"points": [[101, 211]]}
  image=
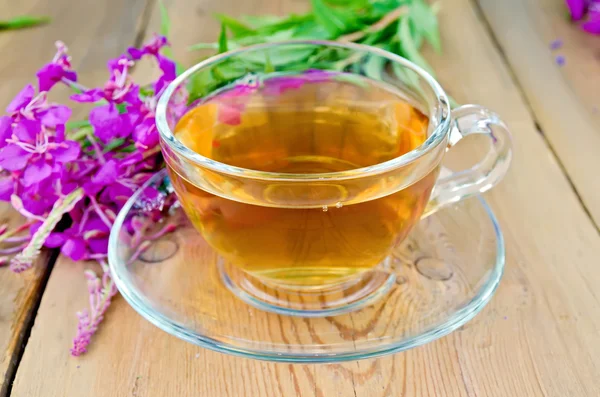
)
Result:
{"points": [[539, 336]]}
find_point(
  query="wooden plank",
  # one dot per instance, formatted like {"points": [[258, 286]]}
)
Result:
{"points": [[565, 100], [25, 51], [538, 336], [20, 296]]}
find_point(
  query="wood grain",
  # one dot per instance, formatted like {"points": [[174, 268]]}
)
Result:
{"points": [[93, 31], [538, 336], [21, 294], [565, 100]]}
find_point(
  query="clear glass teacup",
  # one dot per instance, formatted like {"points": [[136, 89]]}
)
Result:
{"points": [[304, 163]]}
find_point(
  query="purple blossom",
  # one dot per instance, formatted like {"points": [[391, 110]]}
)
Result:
{"points": [[57, 70], [167, 66], [145, 133], [592, 25], [33, 144], [101, 291], [153, 47], [118, 89], [169, 70], [82, 240], [7, 187], [23, 98], [588, 11], [576, 8], [85, 174], [108, 123]]}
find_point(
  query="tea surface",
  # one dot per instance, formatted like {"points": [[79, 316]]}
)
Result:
{"points": [[314, 127]]}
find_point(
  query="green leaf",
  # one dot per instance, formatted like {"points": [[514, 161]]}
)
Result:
{"points": [[115, 143], [310, 30], [349, 3], [424, 21], [259, 21], [237, 28], [409, 77], [284, 23], [269, 68], [408, 47], [280, 56], [335, 21], [374, 67], [223, 39], [22, 22], [231, 69], [201, 84], [280, 36], [73, 125], [165, 22]]}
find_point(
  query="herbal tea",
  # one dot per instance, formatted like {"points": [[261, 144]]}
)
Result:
{"points": [[305, 126]]}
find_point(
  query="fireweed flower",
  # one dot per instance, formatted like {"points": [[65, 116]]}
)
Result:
{"points": [[57, 70], [587, 11], [166, 65], [84, 175]]}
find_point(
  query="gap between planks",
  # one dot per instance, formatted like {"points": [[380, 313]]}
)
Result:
{"points": [[23, 336], [498, 47]]}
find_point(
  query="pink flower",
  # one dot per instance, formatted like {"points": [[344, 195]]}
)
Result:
{"points": [[589, 11], [57, 70], [576, 8]]}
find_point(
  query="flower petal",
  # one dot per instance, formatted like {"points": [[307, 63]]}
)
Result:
{"points": [[36, 172], [93, 95], [146, 134], [7, 187], [5, 129], [107, 174], [118, 193], [169, 70], [576, 8], [38, 198], [55, 240], [69, 153], [49, 75], [592, 26], [74, 248], [13, 158], [131, 159], [95, 223], [26, 130], [55, 115], [135, 53], [98, 245], [22, 99], [107, 122]]}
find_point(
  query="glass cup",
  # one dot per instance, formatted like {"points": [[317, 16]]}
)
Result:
{"points": [[283, 157]]}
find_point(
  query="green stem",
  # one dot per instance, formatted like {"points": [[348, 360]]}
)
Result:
{"points": [[80, 134]]}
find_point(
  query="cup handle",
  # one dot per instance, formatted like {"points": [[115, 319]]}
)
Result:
{"points": [[468, 120]]}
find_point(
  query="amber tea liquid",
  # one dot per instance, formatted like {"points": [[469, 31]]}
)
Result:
{"points": [[318, 127]]}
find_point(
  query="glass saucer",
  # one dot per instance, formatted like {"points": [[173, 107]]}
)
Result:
{"points": [[444, 274]]}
